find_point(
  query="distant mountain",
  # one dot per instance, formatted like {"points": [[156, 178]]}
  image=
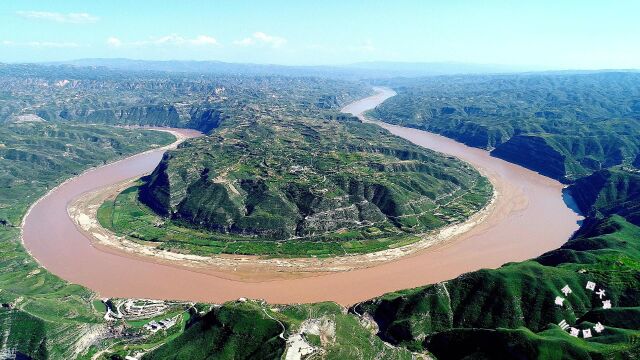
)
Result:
{"points": [[209, 67], [354, 71]]}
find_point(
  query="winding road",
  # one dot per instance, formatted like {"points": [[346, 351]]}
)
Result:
{"points": [[528, 218]]}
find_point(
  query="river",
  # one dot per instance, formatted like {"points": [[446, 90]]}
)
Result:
{"points": [[529, 217]]}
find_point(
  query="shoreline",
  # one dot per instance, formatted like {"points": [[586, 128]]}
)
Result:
{"points": [[527, 218], [174, 132], [251, 268], [255, 268]]}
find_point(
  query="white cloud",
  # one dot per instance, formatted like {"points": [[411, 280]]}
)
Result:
{"points": [[260, 38], [71, 18], [204, 40], [171, 39], [168, 39], [114, 41], [245, 42]]}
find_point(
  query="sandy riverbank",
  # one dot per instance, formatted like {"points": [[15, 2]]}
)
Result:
{"points": [[83, 211]]}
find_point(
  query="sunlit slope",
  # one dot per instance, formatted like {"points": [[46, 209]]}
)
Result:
{"points": [[251, 330]]}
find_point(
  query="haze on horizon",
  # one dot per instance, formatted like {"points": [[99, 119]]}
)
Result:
{"points": [[529, 35]]}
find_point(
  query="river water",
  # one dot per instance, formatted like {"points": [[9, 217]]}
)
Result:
{"points": [[529, 217]]}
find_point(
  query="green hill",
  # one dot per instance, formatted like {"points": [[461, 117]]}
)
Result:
{"points": [[251, 330], [308, 179], [229, 332], [522, 295], [608, 192], [562, 125], [42, 316]]}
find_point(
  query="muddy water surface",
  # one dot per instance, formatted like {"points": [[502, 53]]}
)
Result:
{"points": [[529, 218]]}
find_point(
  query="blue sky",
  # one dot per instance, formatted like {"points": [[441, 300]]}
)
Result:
{"points": [[551, 34]]}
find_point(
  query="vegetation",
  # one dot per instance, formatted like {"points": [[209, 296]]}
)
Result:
{"points": [[614, 191], [190, 100], [508, 312], [560, 125], [521, 295], [564, 125], [229, 332], [320, 187], [251, 330], [284, 166], [127, 216]]}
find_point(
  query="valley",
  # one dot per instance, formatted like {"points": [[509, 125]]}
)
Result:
{"points": [[523, 200], [336, 180]]}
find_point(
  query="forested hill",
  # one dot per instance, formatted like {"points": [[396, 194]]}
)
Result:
{"points": [[614, 191], [563, 125]]}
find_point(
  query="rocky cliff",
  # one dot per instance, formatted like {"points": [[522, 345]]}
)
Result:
{"points": [[609, 192], [533, 152]]}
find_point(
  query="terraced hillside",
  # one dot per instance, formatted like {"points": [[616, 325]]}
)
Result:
{"points": [[565, 126], [307, 179]]}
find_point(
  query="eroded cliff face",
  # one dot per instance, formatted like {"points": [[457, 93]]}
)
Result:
{"points": [[202, 118], [609, 192], [583, 122], [289, 178], [535, 153]]}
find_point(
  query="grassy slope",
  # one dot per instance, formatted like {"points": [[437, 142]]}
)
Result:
{"points": [[250, 330], [49, 315], [229, 332], [608, 192], [127, 216], [522, 295]]}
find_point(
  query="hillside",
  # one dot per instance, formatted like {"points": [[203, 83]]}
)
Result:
{"points": [[510, 312], [64, 93], [563, 125], [614, 191], [307, 179], [251, 330]]}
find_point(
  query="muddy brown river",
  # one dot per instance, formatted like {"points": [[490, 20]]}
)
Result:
{"points": [[528, 218]]}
